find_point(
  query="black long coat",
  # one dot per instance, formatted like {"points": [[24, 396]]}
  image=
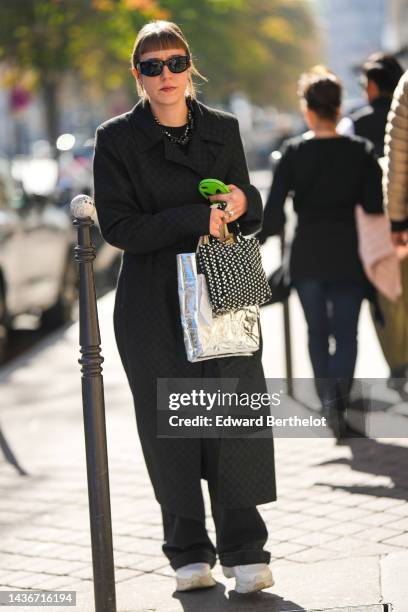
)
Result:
{"points": [[148, 204]]}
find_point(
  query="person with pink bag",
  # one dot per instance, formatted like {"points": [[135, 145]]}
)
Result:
{"points": [[328, 176], [396, 202], [385, 263]]}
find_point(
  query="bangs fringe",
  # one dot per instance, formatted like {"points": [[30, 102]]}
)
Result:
{"points": [[155, 41]]}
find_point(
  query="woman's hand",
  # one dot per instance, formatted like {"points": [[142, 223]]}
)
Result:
{"points": [[217, 219], [237, 203], [402, 252]]}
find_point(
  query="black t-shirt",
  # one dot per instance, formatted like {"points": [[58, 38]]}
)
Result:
{"points": [[327, 178], [177, 132]]}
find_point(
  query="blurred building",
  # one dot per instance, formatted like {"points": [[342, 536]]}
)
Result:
{"points": [[352, 29], [22, 111], [395, 36]]}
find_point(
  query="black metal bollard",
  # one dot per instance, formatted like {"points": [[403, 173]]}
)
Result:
{"points": [[82, 207], [287, 332], [274, 158]]}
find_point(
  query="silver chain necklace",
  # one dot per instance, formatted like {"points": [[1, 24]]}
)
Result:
{"points": [[185, 137]]}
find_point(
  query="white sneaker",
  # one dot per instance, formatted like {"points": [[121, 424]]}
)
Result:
{"points": [[250, 578], [194, 576]]}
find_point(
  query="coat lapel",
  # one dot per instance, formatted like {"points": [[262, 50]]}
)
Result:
{"points": [[205, 146]]}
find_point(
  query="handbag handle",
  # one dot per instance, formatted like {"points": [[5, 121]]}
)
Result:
{"points": [[226, 236]]}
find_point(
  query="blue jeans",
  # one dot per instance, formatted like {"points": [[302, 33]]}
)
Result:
{"points": [[331, 310]]}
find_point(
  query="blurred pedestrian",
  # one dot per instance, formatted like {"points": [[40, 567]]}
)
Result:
{"points": [[396, 201], [147, 167], [380, 75], [328, 175]]}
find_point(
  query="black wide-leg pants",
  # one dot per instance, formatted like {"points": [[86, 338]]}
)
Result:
{"points": [[240, 532]]}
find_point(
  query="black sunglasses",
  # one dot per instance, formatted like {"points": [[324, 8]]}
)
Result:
{"points": [[154, 67]]}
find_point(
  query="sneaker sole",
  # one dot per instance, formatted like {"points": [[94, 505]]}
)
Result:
{"points": [[196, 582], [258, 585]]}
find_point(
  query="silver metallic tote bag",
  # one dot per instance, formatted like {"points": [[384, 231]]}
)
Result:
{"points": [[208, 335]]}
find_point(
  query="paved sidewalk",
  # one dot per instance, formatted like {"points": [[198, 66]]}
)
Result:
{"points": [[338, 533]]}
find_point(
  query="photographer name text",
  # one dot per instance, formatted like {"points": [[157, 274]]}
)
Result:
{"points": [[259, 421]]}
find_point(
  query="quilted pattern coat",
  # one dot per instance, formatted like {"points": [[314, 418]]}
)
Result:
{"points": [[396, 151], [148, 204]]}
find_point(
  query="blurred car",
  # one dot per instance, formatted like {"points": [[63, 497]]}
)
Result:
{"points": [[75, 176], [38, 273]]}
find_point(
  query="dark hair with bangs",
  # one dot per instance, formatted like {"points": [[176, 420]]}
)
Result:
{"points": [[158, 35]]}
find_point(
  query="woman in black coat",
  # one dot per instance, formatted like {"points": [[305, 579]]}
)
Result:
{"points": [[148, 163], [328, 175]]}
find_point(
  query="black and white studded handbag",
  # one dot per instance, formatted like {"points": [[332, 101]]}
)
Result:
{"points": [[233, 271]]}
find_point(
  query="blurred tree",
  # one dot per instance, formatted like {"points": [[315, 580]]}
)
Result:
{"points": [[256, 46], [51, 37]]}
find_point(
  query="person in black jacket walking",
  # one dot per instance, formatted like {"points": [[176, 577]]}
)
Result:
{"points": [[147, 167], [328, 175], [380, 75]]}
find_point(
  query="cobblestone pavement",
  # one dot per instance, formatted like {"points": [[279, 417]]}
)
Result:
{"points": [[338, 533]]}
